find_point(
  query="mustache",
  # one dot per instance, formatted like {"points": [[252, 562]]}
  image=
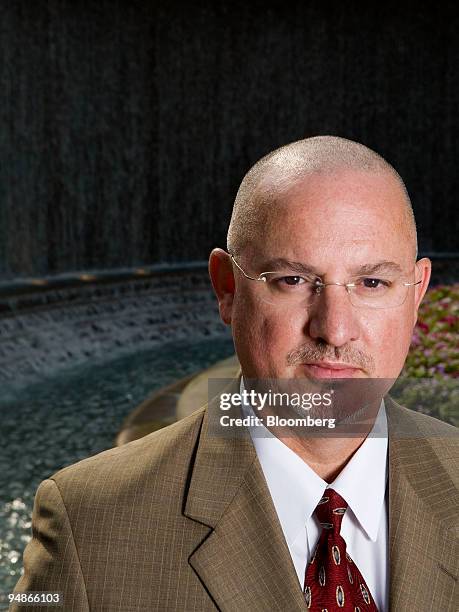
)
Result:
{"points": [[324, 352]]}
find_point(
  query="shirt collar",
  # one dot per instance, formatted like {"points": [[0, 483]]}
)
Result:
{"points": [[362, 482], [296, 489]]}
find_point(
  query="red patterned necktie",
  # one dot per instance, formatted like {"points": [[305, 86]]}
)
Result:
{"points": [[332, 581]]}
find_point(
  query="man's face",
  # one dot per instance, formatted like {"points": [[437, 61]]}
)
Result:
{"points": [[334, 223]]}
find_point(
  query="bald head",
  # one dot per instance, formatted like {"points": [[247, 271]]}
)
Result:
{"points": [[283, 169]]}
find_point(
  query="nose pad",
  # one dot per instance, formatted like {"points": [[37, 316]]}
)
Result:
{"points": [[318, 288]]}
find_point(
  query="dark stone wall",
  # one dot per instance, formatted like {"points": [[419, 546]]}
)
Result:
{"points": [[126, 127]]}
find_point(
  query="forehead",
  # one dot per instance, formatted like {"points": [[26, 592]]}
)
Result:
{"points": [[346, 218]]}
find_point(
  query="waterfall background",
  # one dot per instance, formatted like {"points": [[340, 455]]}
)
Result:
{"points": [[126, 127]]}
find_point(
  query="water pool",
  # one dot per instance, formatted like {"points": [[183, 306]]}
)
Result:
{"points": [[78, 413]]}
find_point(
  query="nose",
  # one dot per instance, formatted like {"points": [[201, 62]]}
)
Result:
{"points": [[332, 318]]}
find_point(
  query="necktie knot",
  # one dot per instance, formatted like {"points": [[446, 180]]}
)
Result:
{"points": [[330, 510]]}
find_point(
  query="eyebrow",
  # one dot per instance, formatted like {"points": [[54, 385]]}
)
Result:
{"points": [[380, 266], [279, 263]]}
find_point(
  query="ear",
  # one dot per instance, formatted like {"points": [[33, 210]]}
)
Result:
{"points": [[222, 277], [423, 271]]}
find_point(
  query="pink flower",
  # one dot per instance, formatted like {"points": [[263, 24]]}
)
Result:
{"points": [[423, 326], [449, 319]]}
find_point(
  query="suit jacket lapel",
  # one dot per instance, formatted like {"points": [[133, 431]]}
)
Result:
{"points": [[244, 563], [422, 508]]}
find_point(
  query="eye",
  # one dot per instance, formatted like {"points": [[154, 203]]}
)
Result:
{"points": [[374, 283], [292, 281]]}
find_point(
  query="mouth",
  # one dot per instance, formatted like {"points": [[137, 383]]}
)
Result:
{"points": [[330, 369]]}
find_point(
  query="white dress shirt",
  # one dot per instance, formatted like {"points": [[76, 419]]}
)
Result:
{"points": [[296, 490]]}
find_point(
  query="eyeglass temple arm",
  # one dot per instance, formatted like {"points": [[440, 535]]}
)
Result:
{"points": [[260, 278]]}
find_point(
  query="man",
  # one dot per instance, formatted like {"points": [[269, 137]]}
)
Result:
{"points": [[190, 519]]}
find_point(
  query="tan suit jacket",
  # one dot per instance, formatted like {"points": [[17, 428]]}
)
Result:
{"points": [[183, 520]]}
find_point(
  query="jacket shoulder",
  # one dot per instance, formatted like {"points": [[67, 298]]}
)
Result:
{"points": [[160, 457]]}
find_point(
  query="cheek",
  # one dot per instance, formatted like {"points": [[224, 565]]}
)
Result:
{"points": [[263, 339], [387, 339], [278, 334]]}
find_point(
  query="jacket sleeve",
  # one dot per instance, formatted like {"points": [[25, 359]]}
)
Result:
{"points": [[51, 560]]}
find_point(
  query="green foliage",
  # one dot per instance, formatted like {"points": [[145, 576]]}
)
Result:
{"points": [[437, 398]]}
